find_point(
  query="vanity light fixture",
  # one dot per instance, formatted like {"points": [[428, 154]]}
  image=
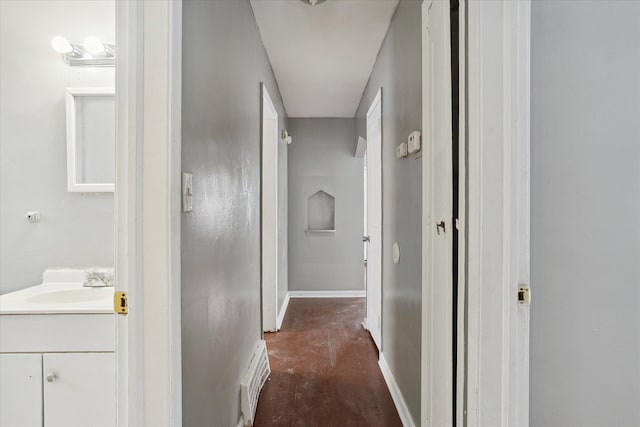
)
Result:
{"points": [[93, 52], [94, 45], [61, 45]]}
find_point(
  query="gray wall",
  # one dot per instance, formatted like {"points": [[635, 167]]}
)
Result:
{"points": [[283, 219], [321, 158], [585, 117], [398, 71], [76, 230], [223, 64]]}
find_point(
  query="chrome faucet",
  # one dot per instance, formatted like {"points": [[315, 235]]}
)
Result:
{"points": [[98, 278]]}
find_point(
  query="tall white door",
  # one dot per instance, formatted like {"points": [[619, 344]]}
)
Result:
{"points": [[269, 213], [437, 208], [374, 220]]}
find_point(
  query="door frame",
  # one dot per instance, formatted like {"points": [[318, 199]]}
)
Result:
{"points": [[493, 362], [377, 100], [148, 211], [497, 335], [269, 215], [437, 304]]}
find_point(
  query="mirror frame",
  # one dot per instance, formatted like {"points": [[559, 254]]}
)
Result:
{"points": [[73, 186]]}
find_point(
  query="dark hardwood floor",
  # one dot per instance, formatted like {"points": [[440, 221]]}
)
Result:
{"points": [[324, 369]]}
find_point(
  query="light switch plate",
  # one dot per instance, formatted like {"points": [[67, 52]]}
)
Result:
{"points": [[413, 142], [401, 150], [187, 192]]}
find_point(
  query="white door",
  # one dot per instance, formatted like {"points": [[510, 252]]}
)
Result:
{"points": [[21, 390], [269, 213], [373, 321], [79, 389], [437, 207]]}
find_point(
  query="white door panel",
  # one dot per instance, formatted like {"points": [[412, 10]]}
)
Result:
{"points": [[269, 213], [374, 220]]}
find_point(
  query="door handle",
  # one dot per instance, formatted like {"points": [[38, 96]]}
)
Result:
{"points": [[366, 239], [439, 226]]}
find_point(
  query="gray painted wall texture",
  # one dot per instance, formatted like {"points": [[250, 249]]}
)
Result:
{"points": [[321, 159], [76, 230], [223, 64], [585, 254], [283, 218], [398, 71]]}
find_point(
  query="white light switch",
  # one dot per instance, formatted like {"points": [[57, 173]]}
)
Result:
{"points": [[414, 142], [187, 192]]}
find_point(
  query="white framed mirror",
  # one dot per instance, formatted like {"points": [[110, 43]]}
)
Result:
{"points": [[91, 137]]}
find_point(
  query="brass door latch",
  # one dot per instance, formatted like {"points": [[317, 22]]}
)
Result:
{"points": [[524, 295], [121, 303]]}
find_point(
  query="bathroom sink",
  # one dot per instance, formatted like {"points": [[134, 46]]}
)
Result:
{"points": [[61, 292], [71, 296]]}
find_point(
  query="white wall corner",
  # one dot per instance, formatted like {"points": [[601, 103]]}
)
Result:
{"points": [[396, 394], [361, 147], [283, 311]]}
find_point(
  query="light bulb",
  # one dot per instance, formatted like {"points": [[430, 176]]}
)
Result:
{"points": [[61, 45], [93, 45]]}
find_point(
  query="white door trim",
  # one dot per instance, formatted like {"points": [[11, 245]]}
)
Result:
{"points": [[494, 214], [148, 206], [269, 212], [497, 231]]}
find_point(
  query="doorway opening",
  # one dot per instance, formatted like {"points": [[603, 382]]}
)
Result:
{"points": [[455, 156]]}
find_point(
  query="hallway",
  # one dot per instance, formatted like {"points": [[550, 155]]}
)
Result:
{"points": [[324, 369]]}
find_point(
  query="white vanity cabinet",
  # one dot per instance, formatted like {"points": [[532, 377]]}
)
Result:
{"points": [[79, 389], [21, 390], [57, 370], [57, 389]]}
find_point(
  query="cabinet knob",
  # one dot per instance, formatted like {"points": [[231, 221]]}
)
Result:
{"points": [[52, 377]]}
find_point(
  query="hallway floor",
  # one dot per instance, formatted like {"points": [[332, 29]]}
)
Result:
{"points": [[324, 369]]}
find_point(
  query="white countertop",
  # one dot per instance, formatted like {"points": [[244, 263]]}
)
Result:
{"points": [[58, 298]]}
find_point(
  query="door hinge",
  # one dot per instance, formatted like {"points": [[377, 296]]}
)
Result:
{"points": [[121, 302], [524, 295]]}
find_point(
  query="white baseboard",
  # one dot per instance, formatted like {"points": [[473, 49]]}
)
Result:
{"points": [[396, 394], [327, 294], [283, 311]]}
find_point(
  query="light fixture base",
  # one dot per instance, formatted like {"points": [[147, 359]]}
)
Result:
{"points": [[313, 2], [81, 58]]}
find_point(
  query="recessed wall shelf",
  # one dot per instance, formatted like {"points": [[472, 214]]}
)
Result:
{"points": [[321, 214]]}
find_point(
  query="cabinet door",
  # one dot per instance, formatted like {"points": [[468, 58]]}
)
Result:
{"points": [[79, 389], [20, 390]]}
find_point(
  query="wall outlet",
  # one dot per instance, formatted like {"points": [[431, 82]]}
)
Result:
{"points": [[414, 143], [401, 150], [33, 216]]}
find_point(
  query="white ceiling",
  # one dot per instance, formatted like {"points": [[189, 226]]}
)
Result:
{"points": [[322, 55]]}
